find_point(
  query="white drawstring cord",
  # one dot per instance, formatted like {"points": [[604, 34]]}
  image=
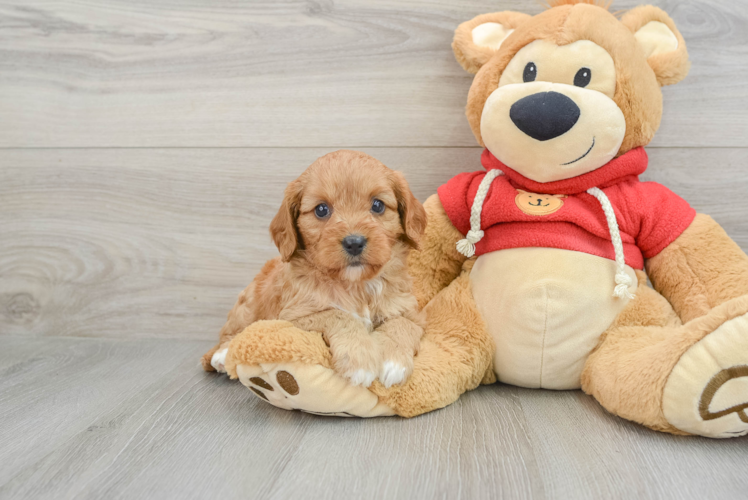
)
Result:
{"points": [[623, 280], [467, 246]]}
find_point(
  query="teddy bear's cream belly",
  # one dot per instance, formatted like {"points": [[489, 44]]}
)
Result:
{"points": [[546, 309]]}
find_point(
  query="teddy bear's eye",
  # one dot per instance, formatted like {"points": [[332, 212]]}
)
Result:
{"points": [[530, 73], [321, 210], [583, 77]]}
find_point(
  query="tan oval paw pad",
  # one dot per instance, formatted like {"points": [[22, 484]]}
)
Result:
{"points": [[259, 382], [288, 383], [259, 393]]}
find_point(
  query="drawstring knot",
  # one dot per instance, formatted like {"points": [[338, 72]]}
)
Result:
{"points": [[467, 246], [623, 282], [474, 236]]}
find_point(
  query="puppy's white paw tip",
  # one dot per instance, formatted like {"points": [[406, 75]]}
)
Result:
{"points": [[392, 373], [362, 377], [218, 361]]}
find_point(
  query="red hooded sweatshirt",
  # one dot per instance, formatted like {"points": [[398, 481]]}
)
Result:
{"points": [[649, 215]]}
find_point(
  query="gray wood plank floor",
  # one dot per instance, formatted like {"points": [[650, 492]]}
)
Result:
{"points": [[107, 418], [144, 146]]}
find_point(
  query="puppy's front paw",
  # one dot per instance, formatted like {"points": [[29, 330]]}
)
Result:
{"points": [[396, 369], [394, 372], [361, 377], [397, 365], [357, 360], [218, 361]]}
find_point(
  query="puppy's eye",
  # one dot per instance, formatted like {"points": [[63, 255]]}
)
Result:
{"points": [[530, 73], [377, 206], [321, 210], [583, 77]]}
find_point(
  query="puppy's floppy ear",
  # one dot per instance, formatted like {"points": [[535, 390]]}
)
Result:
{"points": [[283, 228], [477, 40], [412, 213], [663, 44]]}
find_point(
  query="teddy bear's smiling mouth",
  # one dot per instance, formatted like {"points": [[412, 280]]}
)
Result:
{"points": [[538, 204], [585, 154]]}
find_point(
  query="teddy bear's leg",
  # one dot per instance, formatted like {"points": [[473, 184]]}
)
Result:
{"points": [[680, 378], [292, 369], [704, 275]]}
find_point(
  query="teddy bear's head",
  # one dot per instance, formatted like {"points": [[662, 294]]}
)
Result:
{"points": [[561, 93]]}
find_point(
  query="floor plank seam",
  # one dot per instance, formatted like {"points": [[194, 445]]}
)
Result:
{"points": [[75, 148]]}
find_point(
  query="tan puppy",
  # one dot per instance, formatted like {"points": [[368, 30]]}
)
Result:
{"points": [[344, 231]]}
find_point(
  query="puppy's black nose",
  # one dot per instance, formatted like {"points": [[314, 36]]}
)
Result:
{"points": [[354, 244], [545, 115]]}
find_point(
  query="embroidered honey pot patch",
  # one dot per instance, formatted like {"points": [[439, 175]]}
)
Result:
{"points": [[538, 204]]}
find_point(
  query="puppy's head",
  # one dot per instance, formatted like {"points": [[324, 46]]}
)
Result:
{"points": [[345, 214]]}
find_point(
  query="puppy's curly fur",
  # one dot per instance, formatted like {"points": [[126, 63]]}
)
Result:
{"points": [[362, 303]]}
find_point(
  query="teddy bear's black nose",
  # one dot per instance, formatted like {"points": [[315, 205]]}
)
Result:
{"points": [[545, 115], [354, 244]]}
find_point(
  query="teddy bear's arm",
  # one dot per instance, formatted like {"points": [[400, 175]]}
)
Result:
{"points": [[437, 262], [702, 268]]}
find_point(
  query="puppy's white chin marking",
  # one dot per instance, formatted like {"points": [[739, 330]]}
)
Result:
{"points": [[362, 377], [354, 272], [218, 361], [392, 374]]}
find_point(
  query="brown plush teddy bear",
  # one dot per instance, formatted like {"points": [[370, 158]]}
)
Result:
{"points": [[533, 271]]}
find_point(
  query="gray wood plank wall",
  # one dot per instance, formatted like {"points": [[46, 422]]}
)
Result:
{"points": [[144, 146]]}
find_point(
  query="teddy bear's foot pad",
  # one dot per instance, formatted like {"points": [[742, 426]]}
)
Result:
{"points": [[707, 391], [310, 388]]}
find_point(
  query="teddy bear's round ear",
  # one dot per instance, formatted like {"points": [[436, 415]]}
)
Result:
{"points": [[663, 44], [477, 40]]}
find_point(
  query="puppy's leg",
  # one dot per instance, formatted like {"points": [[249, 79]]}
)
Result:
{"points": [[399, 339], [241, 316], [355, 354]]}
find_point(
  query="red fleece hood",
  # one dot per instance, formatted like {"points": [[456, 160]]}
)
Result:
{"points": [[649, 215], [628, 165]]}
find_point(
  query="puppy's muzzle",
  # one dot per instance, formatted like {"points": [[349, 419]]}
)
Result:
{"points": [[354, 244]]}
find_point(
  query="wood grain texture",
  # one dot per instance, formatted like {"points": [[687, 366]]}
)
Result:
{"points": [[314, 73], [132, 213], [104, 418], [63, 386], [158, 243]]}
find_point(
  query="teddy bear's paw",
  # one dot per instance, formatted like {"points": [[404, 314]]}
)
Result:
{"points": [[310, 388], [707, 391], [218, 361]]}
